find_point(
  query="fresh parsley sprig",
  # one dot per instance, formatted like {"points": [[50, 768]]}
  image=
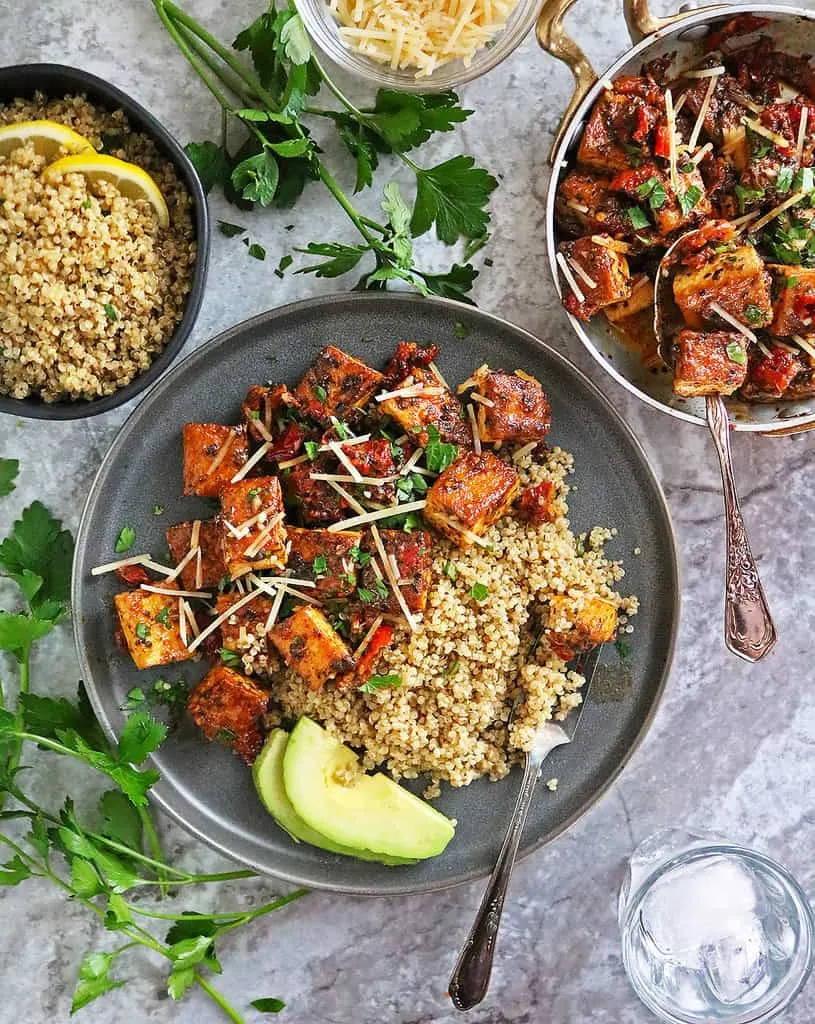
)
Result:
{"points": [[278, 156]]}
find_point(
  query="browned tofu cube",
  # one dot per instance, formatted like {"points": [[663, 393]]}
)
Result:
{"points": [[325, 559], [314, 502], [734, 278], [229, 708], [650, 188], [212, 565], [609, 279], [723, 116], [252, 532], [437, 406], [709, 364], [514, 406], [263, 407], [634, 320], [150, 626], [586, 206], [470, 495], [575, 624], [600, 146], [213, 454], [412, 554], [244, 629], [794, 306], [374, 459], [310, 645], [336, 384]]}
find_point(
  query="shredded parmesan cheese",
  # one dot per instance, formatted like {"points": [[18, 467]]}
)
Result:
{"points": [[352, 501], [185, 561], [802, 133], [182, 621], [223, 617], [706, 72], [611, 243], [700, 117], [329, 447], [796, 197], [768, 133], [580, 207], [474, 428], [222, 454], [199, 570], [570, 281], [411, 462], [476, 397], [368, 636], [412, 391], [474, 538], [438, 375], [740, 327], [741, 221], [581, 273], [671, 117], [275, 609], [700, 155], [174, 593], [374, 481], [746, 102], [113, 566], [380, 547], [190, 616], [806, 345], [296, 462], [369, 517], [255, 459], [352, 469]]}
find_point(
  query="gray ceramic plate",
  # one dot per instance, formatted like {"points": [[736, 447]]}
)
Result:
{"points": [[204, 787]]}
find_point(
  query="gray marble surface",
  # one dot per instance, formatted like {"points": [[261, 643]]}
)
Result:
{"points": [[731, 747]]}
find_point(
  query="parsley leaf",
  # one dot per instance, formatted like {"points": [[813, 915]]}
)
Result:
{"points": [[312, 449], [9, 468], [654, 192], [380, 683], [454, 284], [94, 979], [229, 657], [689, 198], [269, 1005], [783, 182], [479, 591], [365, 595], [359, 556], [748, 196], [453, 195], [450, 571], [18, 633], [753, 314], [37, 555], [736, 353], [320, 565], [340, 258], [623, 648], [211, 162], [637, 217], [230, 230], [125, 540], [438, 455], [256, 178], [257, 251]]}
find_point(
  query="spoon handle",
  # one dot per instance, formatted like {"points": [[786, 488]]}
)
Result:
{"points": [[748, 627], [471, 975]]}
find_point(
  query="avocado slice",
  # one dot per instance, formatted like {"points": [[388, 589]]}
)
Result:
{"points": [[267, 773], [330, 792]]}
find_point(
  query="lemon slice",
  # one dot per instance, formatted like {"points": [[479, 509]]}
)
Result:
{"points": [[130, 180], [48, 136]]}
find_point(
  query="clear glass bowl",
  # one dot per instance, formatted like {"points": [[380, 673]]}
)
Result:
{"points": [[323, 28]]}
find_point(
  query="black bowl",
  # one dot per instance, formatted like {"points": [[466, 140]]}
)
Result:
{"points": [[56, 80]]}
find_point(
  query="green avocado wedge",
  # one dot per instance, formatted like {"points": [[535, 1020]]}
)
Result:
{"points": [[330, 792], [267, 773]]}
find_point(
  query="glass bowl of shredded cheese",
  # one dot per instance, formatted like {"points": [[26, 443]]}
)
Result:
{"points": [[418, 45]]}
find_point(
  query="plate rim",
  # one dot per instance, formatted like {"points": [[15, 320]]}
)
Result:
{"points": [[266, 318]]}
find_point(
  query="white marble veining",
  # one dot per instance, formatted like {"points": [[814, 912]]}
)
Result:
{"points": [[731, 747]]}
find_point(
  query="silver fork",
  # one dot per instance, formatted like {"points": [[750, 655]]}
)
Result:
{"points": [[471, 975]]}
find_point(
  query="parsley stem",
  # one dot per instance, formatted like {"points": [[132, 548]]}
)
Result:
{"points": [[227, 77], [216, 996], [193, 879], [154, 843], [15, 748], [181, 43], [346, 204]]}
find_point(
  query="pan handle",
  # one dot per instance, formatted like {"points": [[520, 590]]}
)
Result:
{"points": [[641, 22], [552, 36]]}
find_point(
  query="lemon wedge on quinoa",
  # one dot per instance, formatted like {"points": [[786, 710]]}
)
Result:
{"points": [[130, 180], [47, 136]]}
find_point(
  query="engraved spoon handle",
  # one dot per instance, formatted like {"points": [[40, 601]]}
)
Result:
{"points": [[471, 975], [748, 627]]}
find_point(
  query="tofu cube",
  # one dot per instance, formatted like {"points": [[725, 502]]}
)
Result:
{"points": [[794, 306], [586, 206], [261, 408], [769, 376], [314, 502], [670, 217], [310, 645], [213, 567], [150, 626], [229, 708], [413, 554], [335, 573], [246, 625], [374, 459], [415, 413], [600, 149], [252, 532], [709, 364], [735, 279], [575, 625], [336, 384], [470, 495], [207, 469], [608, 274], [515, 407], [634, 320]]}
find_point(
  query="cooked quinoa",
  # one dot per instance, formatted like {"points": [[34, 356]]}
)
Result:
{"points": [[470, 660], [91, 288]]}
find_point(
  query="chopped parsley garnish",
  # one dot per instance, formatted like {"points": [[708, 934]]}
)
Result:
{"points": [[161, 693], [142, 631], [460, 330], [450, 571], [753, 314], [257, 251], [311, 449], [320, 565], [479, 591], [380, 683], [804, 180], [254, 414], [86, 203], [158, 510], [638, 217], [759, 146], [438, 455], [451, 669], [229, 657], [748, 196], [419, 483], [381, 588], [688, 168], [359, 556], [340, 429], [224, 582], [654, 192], [736, 353], [230, 230], [225, 736], [110, 312], [366, 596], [164, 616], [125, 540], [634, 155], [320, 392], [580, 546], [783, 183], [623, 648], [283, 265], [689, 199]]}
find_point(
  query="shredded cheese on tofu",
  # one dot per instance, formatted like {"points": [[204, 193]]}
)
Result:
{"points": [[120, 564], [474, 428], [795, 198], [700, 117], [570, 278], [706, 72], [223, 451], [740, 327], [802, 134], [222, 618], [369, 517], [400, 597], [251, 462], [581, 273], [768, 133], [368, 636], [807, 346], [420, 34]]}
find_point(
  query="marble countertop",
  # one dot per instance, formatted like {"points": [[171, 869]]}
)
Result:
{"points": [[731, 747]]}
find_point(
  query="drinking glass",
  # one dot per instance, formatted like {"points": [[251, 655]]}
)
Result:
{"points": [[712, 931]]}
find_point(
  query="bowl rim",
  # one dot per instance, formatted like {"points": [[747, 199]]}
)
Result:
{"points": [[104, 92], [698, 17]]}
